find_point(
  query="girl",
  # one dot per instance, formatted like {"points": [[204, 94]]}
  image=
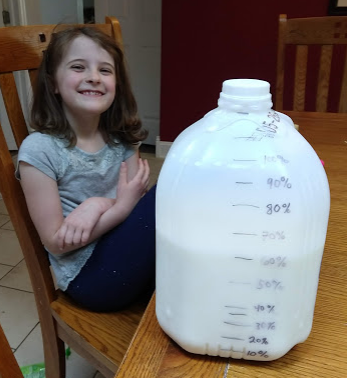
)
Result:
{"points": [[83, 180]]}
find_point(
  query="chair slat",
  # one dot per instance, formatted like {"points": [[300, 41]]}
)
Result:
{"points": [[33, 41], [300, 78], [302, 33], [317, 31], [13, 107], [280, 62], [324, 78], [115, 30], [343, 94]]}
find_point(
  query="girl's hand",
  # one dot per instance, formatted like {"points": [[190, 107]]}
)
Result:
{"points": [[78, 225], [130, 191]]}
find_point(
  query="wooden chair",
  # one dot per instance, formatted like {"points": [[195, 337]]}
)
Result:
{"points": [[302, 33], [101, 338], [8, 364]]}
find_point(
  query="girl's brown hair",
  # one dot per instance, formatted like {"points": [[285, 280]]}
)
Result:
{"points": [[119, 121]]}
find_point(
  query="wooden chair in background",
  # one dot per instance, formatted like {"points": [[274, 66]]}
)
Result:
{"points": [[304, 32], [101, 338], [8, 364]]}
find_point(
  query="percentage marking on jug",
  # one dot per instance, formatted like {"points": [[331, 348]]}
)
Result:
{"points": [[265, 308], [232, 338], [230, 350], [270, 326], [238, 324], [279, 261], [244, 182], [275, 159], [244, 234], [238, 307], [246, 204], [240, 283], [266, 235], [276, 235], [270, 284], [280, 183], [260, 353], [257, 340], [245, 160], [243, 258], [272, 209]]}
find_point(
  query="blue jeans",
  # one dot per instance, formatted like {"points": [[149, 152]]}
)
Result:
{"points": [[122, 265]]}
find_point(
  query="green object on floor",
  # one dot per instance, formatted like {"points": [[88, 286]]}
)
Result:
{"points": [[34, 371], [67, 352], [38, 370]]}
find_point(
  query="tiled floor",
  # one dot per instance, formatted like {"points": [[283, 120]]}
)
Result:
{"points": [[18, 315]]}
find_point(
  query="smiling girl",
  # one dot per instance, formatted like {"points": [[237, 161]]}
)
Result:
{"points": [[83, 180]]}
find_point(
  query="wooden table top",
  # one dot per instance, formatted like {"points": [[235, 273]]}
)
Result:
{"points": [[153, 354]]}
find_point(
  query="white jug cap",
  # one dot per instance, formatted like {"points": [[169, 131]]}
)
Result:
{"points": [[245, 95]]}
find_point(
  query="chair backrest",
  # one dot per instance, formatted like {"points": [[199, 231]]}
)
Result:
{"points": [[303, 33], [21, 48], [8, 365]]}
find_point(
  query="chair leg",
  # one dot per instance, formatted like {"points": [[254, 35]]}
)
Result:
{"points": [[54, 351], [8, 365]]}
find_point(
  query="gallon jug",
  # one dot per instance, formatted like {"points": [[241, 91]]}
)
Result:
{"points": [[242, 212]]}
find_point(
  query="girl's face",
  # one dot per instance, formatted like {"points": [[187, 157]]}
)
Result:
{"points": [[85, 79]]}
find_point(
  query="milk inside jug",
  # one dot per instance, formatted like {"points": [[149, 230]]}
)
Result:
{"points": [[242, 212]]}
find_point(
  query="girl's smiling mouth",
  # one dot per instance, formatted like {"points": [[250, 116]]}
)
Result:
{"points": [[91, 93]]}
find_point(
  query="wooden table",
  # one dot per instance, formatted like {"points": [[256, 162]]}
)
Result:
{"points": [[152, 354]]}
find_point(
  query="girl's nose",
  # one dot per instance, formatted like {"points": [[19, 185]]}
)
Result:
{"points": [[93, 77]]}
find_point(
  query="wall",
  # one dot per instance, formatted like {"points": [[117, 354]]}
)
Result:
{"points": [[62, 11], [205, 43]]}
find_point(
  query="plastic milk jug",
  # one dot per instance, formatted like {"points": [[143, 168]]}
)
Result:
{"points": [[242, 213]]}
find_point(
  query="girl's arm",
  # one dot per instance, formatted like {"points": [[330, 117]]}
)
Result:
{"points": [[130, 189], [43, 201], [93, 218]]}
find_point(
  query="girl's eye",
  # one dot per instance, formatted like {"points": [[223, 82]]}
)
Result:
{"points": [[77, 67], [106, 70]]}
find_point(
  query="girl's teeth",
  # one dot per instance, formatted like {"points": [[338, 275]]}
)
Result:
{"points": [[92, 93]]}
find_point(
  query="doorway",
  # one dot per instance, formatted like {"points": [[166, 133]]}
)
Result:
{"points": [[140, 21]]}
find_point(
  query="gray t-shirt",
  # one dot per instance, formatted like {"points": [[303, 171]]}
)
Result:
{"points": [[79, 176]]}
